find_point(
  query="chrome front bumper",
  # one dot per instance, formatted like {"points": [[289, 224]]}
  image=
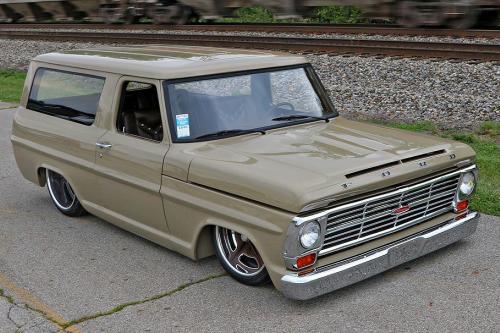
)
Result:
{"points": [[346, 273]]}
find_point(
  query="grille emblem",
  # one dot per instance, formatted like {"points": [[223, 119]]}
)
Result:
{"points": [[401, 210]]}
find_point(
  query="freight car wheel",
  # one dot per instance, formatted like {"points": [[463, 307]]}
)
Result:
{"points": [[173, 14], [468, 18], [110, 15], [131, 18], [239, 257], [79, 15], [407, 14]]}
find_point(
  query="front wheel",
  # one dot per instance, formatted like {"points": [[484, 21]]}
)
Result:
{"points": [[239, 257], [63, 196]]}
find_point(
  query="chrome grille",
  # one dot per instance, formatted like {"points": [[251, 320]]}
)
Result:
{"points": [[356, 223]]}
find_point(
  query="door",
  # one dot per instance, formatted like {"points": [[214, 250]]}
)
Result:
{"points": [[129, 158]]}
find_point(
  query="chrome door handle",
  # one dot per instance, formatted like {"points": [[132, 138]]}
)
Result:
{"points": [[103, 145]]}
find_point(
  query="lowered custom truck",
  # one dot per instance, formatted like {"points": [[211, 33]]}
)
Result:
{"points": [[240, 154]]}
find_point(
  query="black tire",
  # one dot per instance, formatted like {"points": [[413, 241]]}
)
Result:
{"points": [[63, 196], [248, 268]]}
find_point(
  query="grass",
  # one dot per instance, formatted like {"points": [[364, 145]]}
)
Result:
{"points": [[11, 85], [485, 142], [8, 298]]}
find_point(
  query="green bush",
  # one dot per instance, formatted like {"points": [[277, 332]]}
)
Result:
{"points": [[254, 15], [338, 15], [331, 14]]}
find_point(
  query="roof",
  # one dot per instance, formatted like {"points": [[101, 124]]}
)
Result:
{"points": [[169, 62]]}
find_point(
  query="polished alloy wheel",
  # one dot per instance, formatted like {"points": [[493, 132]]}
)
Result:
{"points": [[60, 190], [63, 195], [238, 252]]}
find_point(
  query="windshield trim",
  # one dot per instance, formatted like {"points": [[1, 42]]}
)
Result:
{"points": [[311, 75]]}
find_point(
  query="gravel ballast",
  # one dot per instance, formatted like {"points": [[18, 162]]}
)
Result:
{"points": [[452, 94], [431, 39]]}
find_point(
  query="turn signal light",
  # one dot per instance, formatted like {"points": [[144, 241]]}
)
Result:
{"points": [[306, 260], [462, 205]]}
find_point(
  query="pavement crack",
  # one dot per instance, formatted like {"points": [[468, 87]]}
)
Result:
{"points": [[13, 305], [23, 306], [120, 307], [9, 317]]}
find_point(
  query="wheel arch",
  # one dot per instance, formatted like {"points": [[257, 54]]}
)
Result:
{"points": [[204, 246], [42, 177]]}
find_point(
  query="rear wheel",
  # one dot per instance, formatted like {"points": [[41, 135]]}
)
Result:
{"points": [[239, 257], [63, 196]]}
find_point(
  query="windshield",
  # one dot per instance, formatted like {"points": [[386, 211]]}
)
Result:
{"points": [[210, 108]]}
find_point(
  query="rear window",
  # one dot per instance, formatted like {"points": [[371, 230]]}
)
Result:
{"points": [[70, 96]]}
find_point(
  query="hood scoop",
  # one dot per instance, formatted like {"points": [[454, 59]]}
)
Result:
{"points": [[402, 161]]}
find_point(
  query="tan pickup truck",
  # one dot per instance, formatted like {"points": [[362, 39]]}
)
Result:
{"points": [[240, 154]]}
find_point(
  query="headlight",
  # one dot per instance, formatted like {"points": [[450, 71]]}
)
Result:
{"points": [[309, 234], [467, 184]]}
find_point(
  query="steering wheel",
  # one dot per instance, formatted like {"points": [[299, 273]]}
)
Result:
{"points": [[279, 105], [234, 117]]}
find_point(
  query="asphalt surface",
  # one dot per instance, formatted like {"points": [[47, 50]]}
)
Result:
{"points": [[55, 270]]}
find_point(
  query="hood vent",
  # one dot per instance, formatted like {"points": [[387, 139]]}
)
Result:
{"points": [[386, 165], [417, 157], [375, 168]]}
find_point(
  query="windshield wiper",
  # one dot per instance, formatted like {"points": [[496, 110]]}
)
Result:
{"points": [[299, 116], [229, 133]]}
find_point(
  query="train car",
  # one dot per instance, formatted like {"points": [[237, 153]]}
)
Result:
{"points": [[410, 13], [48, 10]]}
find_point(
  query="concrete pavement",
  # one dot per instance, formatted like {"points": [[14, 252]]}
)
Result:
{"points": [[57, 271]]}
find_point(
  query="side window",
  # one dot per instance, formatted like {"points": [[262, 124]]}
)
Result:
{"points": [[139, 112], [67, 95]]}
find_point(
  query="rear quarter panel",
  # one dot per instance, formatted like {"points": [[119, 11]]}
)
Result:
{"points": [[43, 141]]}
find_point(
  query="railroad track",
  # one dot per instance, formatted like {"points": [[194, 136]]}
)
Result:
{"points": [[372, 29], [458, 51]]}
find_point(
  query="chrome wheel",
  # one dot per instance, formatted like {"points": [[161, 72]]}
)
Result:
{"points": [[238, 252], [60, 190]]}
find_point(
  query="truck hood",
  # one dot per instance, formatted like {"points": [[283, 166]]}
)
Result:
{"points": [[294, 167]]}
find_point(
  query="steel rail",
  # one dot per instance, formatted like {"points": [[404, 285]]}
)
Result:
{"points": [[277, 28], [458, 51]]}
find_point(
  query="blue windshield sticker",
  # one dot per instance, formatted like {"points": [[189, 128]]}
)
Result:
{"points": [[182, 121]]}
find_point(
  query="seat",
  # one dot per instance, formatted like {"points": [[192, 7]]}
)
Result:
{"points": [[141, 114]]}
